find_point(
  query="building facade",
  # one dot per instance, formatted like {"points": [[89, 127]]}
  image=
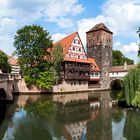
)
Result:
{"points": [[76, 65], [15, 68], [99, 47]]}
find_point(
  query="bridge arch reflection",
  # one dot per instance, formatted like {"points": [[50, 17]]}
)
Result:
{"points": [[3, 94]]}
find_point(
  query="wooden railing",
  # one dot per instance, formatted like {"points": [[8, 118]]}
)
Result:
{"points": [[77, 77], [84, 68]]}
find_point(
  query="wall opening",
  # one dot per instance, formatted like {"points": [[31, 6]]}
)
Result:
{"points": [[116, 89], [116, 84]]}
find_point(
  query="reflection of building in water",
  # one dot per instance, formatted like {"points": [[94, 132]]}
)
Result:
{"points": [[69, 98], [100, 128], [74, 131], [77, 111]]}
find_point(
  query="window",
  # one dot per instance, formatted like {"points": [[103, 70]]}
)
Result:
{"points": [[69, 55], [76, 41], [79, 82], [79, 49], [96, 73], [78, 56], [74, 48]]}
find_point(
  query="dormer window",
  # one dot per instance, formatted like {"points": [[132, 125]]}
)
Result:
{"points": [[76, 41]]}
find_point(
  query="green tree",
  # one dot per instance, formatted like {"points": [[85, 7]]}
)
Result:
{"points": [[32, 43], [57, 55], [119, 59], [4, 65], [139, 44], [132, 84]]}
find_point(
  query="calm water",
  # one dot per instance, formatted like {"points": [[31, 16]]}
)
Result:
{"points": [[67, 117]]}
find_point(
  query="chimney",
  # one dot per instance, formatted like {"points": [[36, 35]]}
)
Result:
{"points": [[125, 66]]}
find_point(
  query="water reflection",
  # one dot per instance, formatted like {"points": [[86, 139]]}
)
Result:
{"points": [[68, 117], [3, 109]]}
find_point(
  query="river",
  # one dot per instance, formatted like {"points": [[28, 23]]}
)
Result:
{"points": [[67, 117]]}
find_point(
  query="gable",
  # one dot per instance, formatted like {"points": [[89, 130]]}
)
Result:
{"points": [[76, 49]]}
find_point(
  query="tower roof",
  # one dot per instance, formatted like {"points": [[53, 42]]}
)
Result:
{"points": [[100, 26]]}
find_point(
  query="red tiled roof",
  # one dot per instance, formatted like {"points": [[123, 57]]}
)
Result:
{"points": [[94, 64], [100, 26], [122, 68], [66, 42], [77, 60], [12, 60]]}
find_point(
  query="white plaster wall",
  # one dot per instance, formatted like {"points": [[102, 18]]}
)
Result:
{"points": [[117, 74]]}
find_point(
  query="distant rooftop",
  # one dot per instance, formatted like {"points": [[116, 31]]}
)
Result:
{"points": [[123, 68], [100, 26]]}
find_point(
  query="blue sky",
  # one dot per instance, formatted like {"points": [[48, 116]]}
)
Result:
{"points": [[61, 18]]}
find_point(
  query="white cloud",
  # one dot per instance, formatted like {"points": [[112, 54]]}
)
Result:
{"points": [[62, 22], [132, 47], [7, 26], [14, 14], [61, 8], [123, 16], [130, 50], [56, 37], [127, 48], [6, 44]]}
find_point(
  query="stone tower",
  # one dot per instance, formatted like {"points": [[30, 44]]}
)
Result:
{"points": [[99, 46]]}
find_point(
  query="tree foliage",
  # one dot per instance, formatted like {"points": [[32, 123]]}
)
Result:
{"points": [[119, 59], [32, 43], [57, 54], [45, 80], [4, 65], [40, 108], [132, 85], [139, 44]]}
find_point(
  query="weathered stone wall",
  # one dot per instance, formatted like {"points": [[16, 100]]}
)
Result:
{"points": [[7, 86], [20, 86], [99, 46], [67, 86]]}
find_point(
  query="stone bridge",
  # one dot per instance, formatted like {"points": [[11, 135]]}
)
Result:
{"points": [[6, 87]]}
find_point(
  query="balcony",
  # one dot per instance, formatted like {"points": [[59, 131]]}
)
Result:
{"points": [[83, 68], [77, 77]]}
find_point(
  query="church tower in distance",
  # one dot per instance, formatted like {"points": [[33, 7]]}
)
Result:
{"points": [[99, 47]]}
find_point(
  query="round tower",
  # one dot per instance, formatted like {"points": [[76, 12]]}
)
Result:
{"points": [[99, 47]]}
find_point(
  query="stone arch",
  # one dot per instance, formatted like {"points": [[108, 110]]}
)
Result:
{"points": [[3, 94], [116, 84]]}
